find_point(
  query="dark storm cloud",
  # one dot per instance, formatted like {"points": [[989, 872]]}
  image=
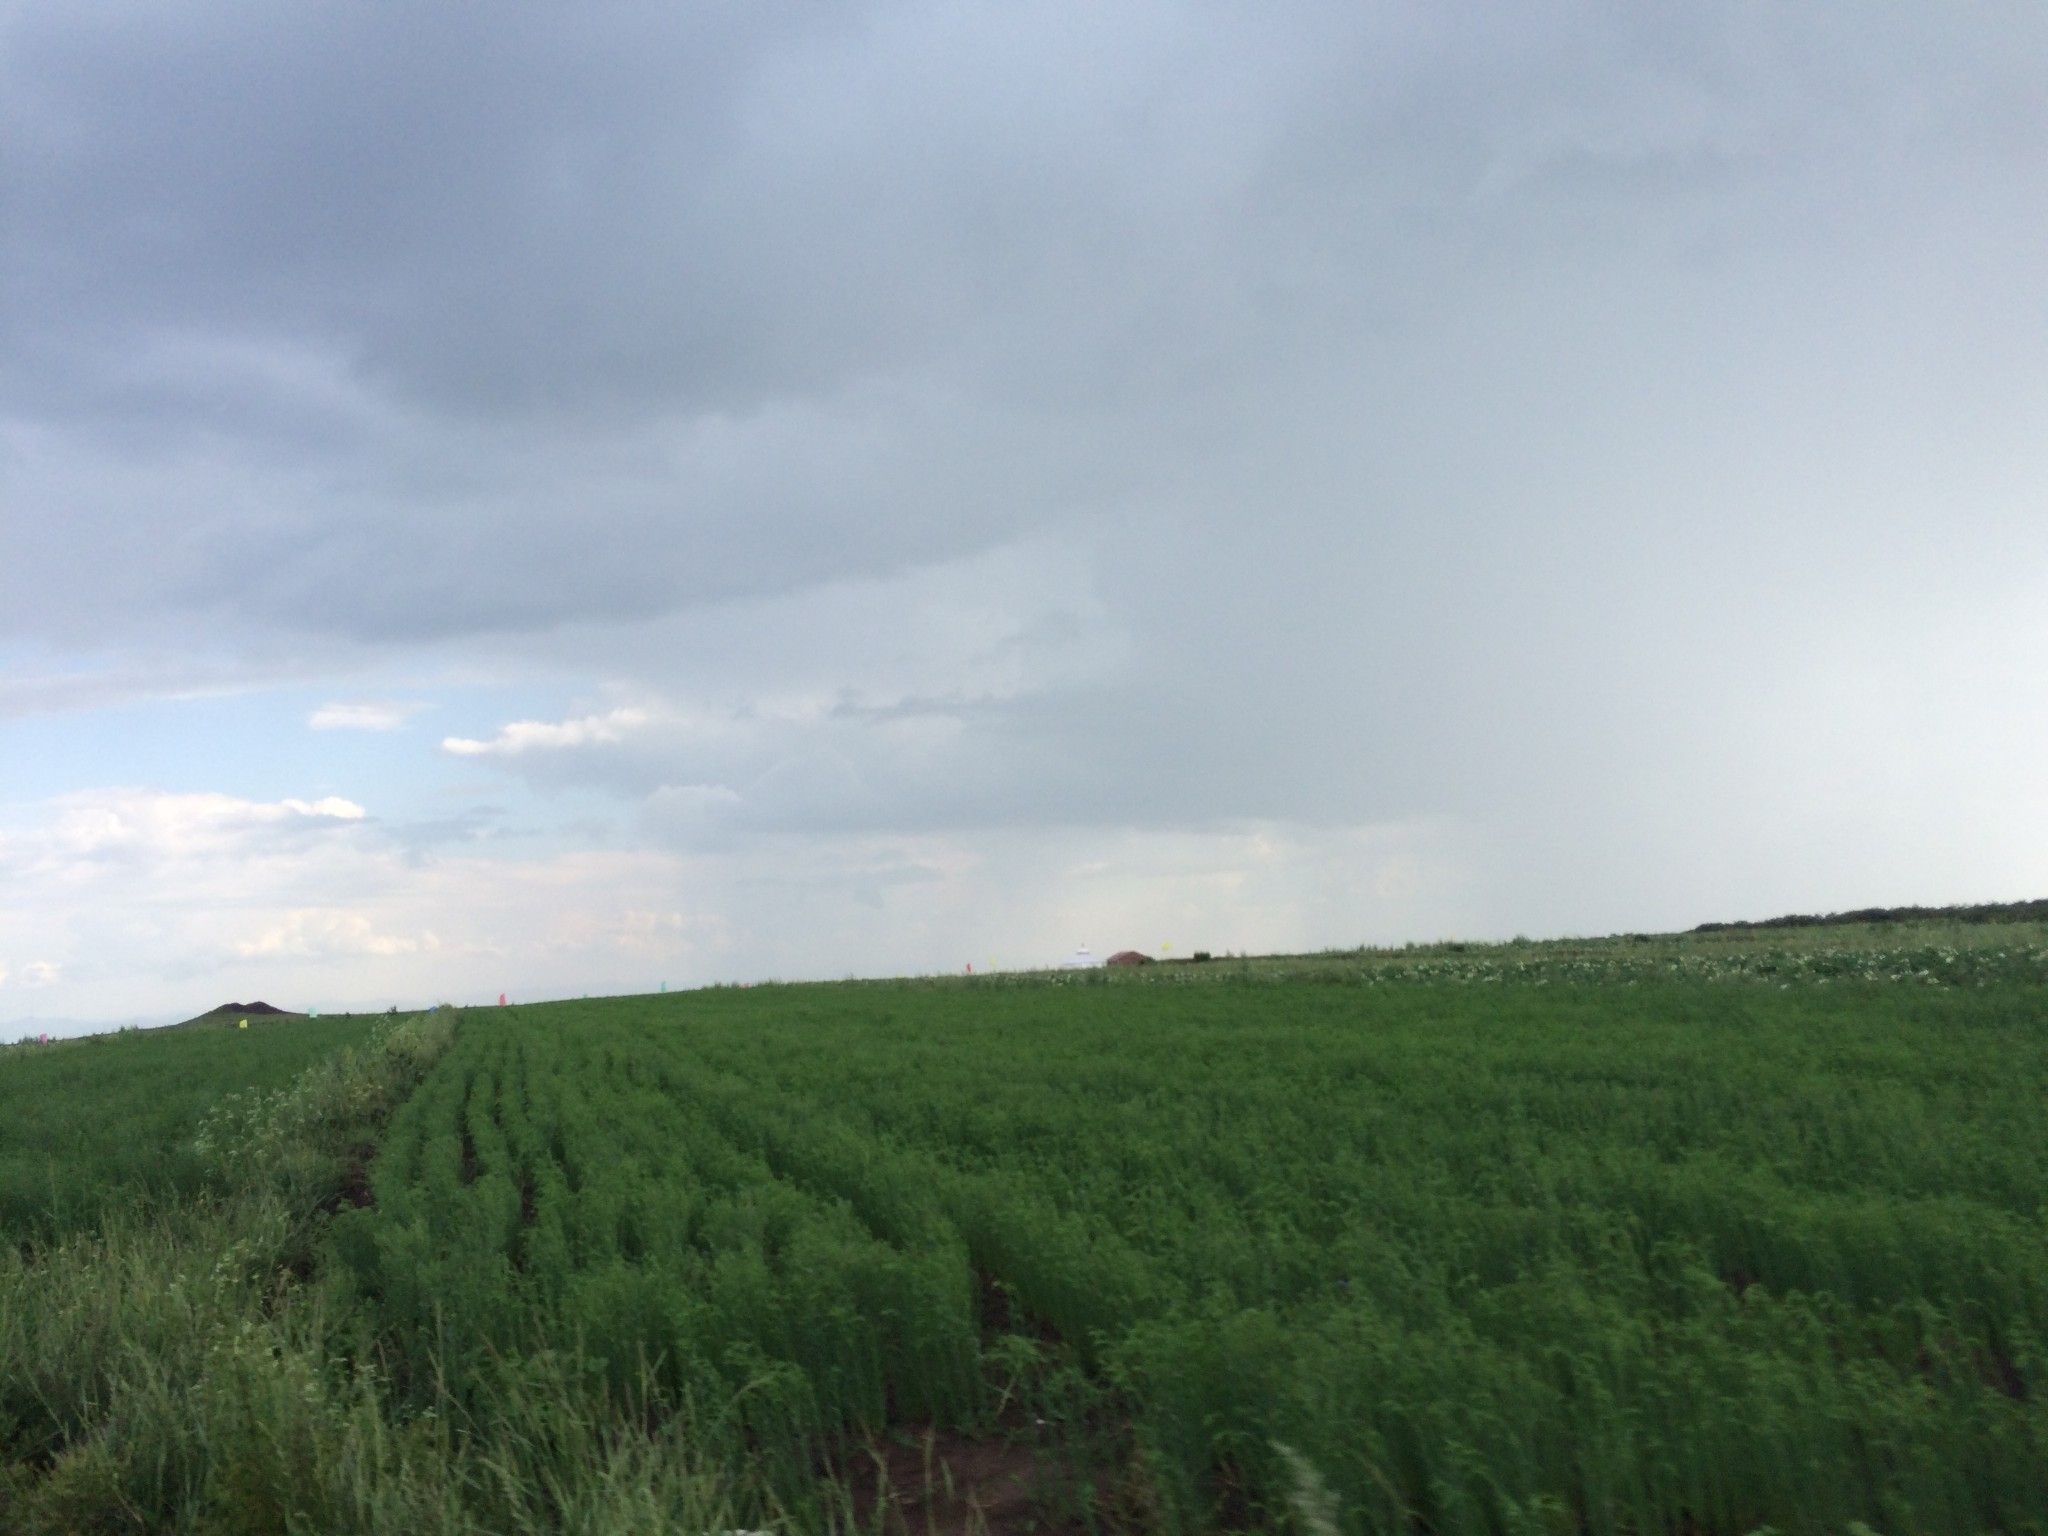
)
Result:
{"points": [[389, 311], [395, 326], [1431, 410]]}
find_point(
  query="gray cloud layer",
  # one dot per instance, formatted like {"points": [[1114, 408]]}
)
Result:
{"points": [[1008, 416]]}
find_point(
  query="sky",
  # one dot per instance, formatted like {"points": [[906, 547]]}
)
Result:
{"points": [[574, 499]]}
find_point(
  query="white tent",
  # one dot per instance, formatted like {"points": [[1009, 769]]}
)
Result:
{"points": [[1079, 960]]}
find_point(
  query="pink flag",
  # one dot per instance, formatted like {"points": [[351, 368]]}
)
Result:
{"points": [[501, 999]]}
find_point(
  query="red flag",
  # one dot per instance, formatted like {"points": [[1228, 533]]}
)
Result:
{"points": [[501, 999]]}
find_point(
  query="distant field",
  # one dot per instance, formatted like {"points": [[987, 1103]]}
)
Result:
{"points": [[106, 1122], [1692, 1234]]}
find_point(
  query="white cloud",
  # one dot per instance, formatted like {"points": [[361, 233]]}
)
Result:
{"points": [[137, 902], [94, 831], [541, 735], [362, 716], [331, 806], [312, 932]]}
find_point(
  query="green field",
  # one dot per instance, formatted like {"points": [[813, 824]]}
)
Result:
{"points": [[107, 1122], [1711, 1234]]}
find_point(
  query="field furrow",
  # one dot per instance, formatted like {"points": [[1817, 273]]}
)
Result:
{"points": [[1623, 1258]]}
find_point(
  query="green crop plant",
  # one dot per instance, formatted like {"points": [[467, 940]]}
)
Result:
{"points": [[1704, 1234], [1640, 1238], [105, 1124]]}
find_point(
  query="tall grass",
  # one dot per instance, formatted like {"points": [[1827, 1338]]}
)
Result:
{"points": [[186, 1370]]}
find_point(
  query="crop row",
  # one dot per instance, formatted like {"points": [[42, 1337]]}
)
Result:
{"points": [[1520, 1259], [543, 1192], [1686, 1261]]}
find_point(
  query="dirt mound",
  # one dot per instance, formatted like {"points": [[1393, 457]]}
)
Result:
{"points": [[228, 1013], [1128, 957]]}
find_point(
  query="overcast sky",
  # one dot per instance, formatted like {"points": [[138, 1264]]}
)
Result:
{"points": [[557, 499]]}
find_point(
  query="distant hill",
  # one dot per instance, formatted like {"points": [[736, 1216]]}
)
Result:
{"points": [[1980, 912], [230, 1011]]}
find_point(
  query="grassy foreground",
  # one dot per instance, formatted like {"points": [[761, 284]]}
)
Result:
{"points": [[1714, 1234], [184, 1368]]}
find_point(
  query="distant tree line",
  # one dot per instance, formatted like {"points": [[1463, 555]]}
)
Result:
{"points": [[1977, 912]]}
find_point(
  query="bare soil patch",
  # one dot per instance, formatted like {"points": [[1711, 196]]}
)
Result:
{"points": [[936, 1483]]}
